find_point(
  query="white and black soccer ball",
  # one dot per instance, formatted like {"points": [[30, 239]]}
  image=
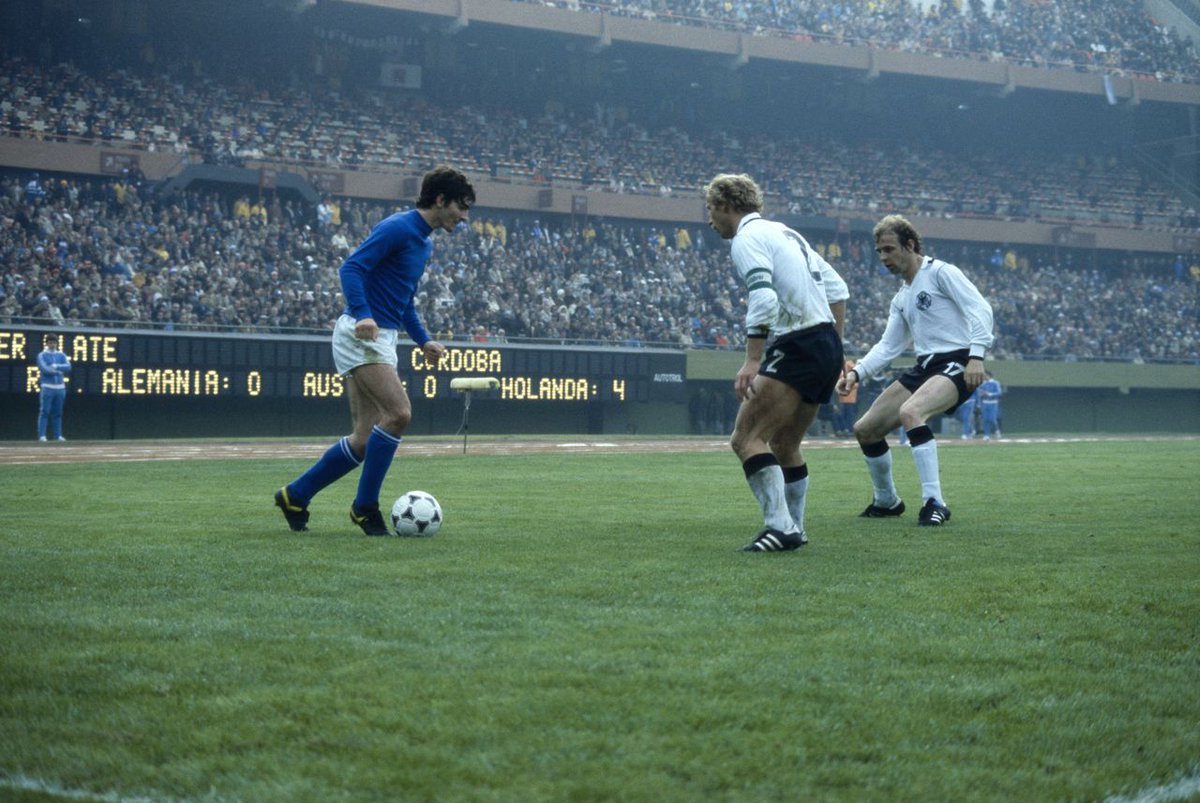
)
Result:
{"points": [[416, 513]]}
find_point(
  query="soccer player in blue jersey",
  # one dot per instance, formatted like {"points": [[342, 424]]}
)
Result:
{"points": [[943, 316], [53, 366], [379, 280], [794, 318]]}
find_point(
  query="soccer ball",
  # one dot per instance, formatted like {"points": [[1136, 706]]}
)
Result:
{"points": [[417, 513]]}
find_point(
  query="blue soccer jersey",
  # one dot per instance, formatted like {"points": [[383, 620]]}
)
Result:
{"points": [[379, 280]]}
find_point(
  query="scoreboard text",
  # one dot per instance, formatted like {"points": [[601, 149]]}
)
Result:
{"points": [[125, 364]]}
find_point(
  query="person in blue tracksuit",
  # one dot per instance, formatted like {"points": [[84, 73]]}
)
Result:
{"points": [[989, 401], [53, 367], [966, 414]]}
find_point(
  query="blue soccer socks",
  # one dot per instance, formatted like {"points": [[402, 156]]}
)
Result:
{"points": [[381, 448], [338, 461]]}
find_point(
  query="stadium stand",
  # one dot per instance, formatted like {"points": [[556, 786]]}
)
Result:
{"points": [[203, 120], [119, 251], [1072, 35], [92, 252]]}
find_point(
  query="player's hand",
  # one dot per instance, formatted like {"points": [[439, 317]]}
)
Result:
{"points": [[847, 382], [434, 351], [974, 375], [743, 383], [366, 329]]}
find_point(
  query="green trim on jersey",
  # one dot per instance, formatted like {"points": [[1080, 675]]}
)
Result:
{"points": [[756, 282]]}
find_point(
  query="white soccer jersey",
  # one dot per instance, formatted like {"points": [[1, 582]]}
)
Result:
{"points": [[786, 279], [940, 311]]}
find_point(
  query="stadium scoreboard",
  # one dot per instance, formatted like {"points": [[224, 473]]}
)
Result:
{"points": [[152, 365]]}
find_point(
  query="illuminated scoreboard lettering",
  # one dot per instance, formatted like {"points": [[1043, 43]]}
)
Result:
{"points": [[555, 374], [135, 364], [175, 365], [322, 385]]}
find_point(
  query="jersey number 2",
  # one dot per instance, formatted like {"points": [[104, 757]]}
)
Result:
{"points": [[772, 361]]}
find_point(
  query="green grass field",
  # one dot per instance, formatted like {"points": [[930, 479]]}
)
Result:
{"points": [[583, 629]]}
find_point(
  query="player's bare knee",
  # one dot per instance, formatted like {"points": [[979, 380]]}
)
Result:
{"points": [[867, 431], [745, 442], [396, 421], [910, 418]]}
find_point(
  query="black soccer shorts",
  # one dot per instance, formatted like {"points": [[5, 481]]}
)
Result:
{"points": [[951, 364], [810, 361]]}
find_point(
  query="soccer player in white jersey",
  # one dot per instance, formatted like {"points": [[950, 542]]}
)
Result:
{"points": [[796, 310], [941, 314]]}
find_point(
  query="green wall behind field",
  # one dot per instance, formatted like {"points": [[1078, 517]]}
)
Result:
{"points": [[1011, 373], [1053, 397]]}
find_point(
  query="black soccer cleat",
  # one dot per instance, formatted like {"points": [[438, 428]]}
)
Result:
{"points": [[875, 511], [370, 519], [296, 515], [771, 540], [933, 514]]}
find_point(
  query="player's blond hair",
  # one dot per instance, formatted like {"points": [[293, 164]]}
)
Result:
{"points": [[735, 191], [904, 231]]}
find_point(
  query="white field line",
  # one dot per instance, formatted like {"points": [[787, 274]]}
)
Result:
{"points": [[1186, 788], [23, 783]]}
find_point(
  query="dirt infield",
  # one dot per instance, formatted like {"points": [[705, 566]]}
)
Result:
{"points": [[136, 451], [13, 453]]}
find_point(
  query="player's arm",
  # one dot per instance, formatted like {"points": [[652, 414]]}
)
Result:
{"points": [[896, 338], [978, 314], [353, 277], [762, 307], [742, 383], [836, 293], [434, 351], [838, 308]]}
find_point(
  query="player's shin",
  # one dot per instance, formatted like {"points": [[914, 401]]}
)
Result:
{"points": [[795, 485], [338, 461], [879, 465], [765, 477], [924, 452], [381, 448]]}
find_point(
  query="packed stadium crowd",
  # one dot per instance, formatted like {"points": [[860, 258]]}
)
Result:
{"points": [[202, 119], [76, 251], [1110, 35], [118, 251]]}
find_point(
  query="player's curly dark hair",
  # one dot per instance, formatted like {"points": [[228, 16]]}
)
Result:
{"points": [[448, 183], [736, 192], [904, 231]]}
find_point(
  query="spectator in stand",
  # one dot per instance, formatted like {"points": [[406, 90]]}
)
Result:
{"points": [[33, 190]]}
